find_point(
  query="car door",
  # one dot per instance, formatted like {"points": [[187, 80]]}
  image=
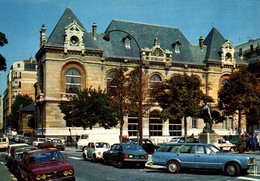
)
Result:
{"points": [[205, 158], [186, 155], [22, 165]]}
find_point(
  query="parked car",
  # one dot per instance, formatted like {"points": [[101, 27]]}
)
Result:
{"points": [[8, 150], [45, 164], [57, 143], [16, 153], [225, 145], [26, 139], [148, 145], [120, 154], [31, 140], [4, 143], [38, 140], [16, 138], [94, 151], [176, 156], [182, 140]]}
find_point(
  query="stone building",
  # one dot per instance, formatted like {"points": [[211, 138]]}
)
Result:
{"points": [[21, 79], [72, 58]]}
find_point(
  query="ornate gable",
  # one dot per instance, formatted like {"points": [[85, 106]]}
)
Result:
{"points": [[74, 38], [156, 54], [227, 53]]}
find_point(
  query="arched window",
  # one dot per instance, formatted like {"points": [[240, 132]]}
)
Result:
{"points": [[155, 79], [109, 79], [223, 80], [73, 80], [155, 124]]}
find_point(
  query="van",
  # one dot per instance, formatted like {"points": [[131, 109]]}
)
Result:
{"points": [[4, 143]]}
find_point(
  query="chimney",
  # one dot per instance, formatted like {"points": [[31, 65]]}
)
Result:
{"points": [[94, 30], [201, 43], [43, 39]]}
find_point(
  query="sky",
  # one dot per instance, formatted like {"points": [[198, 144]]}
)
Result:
{"points": [[21, 20]]}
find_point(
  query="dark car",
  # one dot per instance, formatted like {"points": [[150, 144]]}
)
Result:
{"points": [[31, 140], [148, 145], [120, 154], [16, 153], [45, 164]]}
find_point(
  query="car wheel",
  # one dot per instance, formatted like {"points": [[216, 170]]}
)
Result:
{"points": [[94, 158], [173, 167], [84, 156], [105, 161], [232, 169], [119, 164]]}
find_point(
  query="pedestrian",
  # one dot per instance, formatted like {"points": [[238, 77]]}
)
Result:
{"points": [[253, 141], [243, 143], [257, 146]]}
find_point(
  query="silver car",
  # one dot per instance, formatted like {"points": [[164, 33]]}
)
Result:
{"points": [[94, 151]]}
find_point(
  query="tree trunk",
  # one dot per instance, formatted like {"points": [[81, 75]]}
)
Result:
{"points": [[239, 132], [185, 128]]}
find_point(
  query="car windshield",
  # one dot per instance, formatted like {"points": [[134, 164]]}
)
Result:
{"points": [[41, 139], [133, 148], [20, 151], [102, 145], [45, 157]]}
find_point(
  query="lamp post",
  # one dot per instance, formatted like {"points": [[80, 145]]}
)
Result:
{"points": [[140, 123]]}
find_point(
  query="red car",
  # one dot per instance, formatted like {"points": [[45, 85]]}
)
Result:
{"points": [[45, 164]]}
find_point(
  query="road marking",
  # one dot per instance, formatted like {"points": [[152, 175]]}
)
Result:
{"points": [[75, 158], [2, 163], [246, 178]]}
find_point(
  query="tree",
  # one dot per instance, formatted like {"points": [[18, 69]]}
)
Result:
{"points": [[31, 121], [88, 108], [180, 97], [3, 41], [240, 94], [19, 102], [119, 96]]}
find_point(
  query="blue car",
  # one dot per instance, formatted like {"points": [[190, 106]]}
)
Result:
{"points": [[176, 156]]}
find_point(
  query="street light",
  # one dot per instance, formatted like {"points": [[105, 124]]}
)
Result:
{"points": [[140, 127]]}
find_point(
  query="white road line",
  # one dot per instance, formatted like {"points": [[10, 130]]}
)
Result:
{"points": [[75, 158], [247, 178], [2, 163]]}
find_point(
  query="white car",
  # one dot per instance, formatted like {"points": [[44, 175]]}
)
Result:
{"points": [[225, 145], [4, 142], [94, 151], [38, 140]]}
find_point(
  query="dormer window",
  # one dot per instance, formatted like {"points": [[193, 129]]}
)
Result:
{"points": [[176, 46], [127, 42]]}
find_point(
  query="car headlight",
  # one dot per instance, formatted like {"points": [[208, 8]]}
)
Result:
{"points": [[70, 172], [99, 153], [66, 173], [39, 177]]}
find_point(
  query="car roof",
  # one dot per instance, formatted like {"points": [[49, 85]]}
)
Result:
{"points": [[204, 144]]}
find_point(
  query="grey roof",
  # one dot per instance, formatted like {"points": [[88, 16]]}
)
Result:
{"points": [[145, 35]]}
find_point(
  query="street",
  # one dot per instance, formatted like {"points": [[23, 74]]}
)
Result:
{"points": [[88, 171]]}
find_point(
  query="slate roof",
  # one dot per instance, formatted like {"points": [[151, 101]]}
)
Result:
{"points": [[145, 35]]}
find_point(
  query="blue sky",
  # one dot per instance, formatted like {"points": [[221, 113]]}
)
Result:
{"points": [[21, 20]]}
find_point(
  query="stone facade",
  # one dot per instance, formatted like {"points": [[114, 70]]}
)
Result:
{"points": [[72, 53]]}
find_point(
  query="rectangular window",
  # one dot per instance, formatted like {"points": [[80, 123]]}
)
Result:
{"points": [[194, 122], [175, 127], [132, 126], [155, 127]]}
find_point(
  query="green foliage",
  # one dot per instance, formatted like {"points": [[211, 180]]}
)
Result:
{"points": [[20, 102], [180, 96], [3, 41], [239, 93], [88, 108]]}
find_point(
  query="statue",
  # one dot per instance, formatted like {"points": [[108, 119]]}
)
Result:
{"points": [[207, 119]]}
